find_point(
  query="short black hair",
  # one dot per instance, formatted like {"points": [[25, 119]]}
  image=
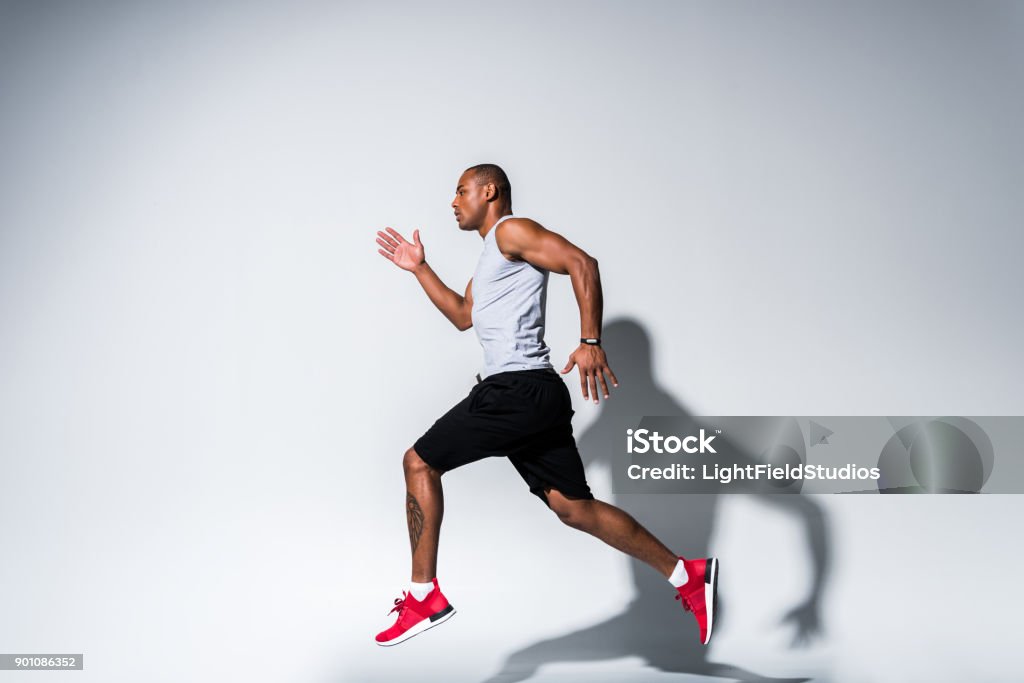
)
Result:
{"points": [[492, 173]]}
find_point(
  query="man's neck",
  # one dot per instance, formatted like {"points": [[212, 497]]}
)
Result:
{"points": [[490, 223]]}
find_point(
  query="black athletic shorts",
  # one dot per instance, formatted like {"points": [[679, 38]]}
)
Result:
{"points": [[522, 415]]}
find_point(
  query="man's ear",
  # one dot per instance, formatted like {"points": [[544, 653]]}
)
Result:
{"points": [[490, 191]]}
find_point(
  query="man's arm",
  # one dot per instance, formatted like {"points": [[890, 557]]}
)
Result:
{"points": [[410, 256], [527, 240]]}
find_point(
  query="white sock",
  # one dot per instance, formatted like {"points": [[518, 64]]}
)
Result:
{"points": [[679, 576], [421, 590]]}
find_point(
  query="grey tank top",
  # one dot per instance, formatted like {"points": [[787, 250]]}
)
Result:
{"points": [[508, 310]]}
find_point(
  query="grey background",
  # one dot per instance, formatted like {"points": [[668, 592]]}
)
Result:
{"points": [[209, 376]]}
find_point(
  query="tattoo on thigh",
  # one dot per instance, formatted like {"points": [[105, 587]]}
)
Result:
{"points": [[414, 516]]}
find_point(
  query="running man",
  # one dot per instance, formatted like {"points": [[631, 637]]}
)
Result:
{"points": [[521, 410]]}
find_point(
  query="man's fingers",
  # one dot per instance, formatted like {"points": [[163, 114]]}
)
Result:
{"points": [[600, 378], [386, 245], [612, 375], [386, 255], [387, 238], [592, 383], [568, 366], [583, 385], [394, 233], [416, 237]]}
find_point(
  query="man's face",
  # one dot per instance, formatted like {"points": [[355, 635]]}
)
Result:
{"points": [[470, 203]]}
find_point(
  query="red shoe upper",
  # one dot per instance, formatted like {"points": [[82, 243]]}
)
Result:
{"points": [[412, 611], [692, 594]]}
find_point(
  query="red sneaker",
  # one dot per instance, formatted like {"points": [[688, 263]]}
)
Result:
{"points": [[700, 594], [415, 616]]}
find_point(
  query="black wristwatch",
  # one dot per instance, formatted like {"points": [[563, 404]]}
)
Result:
{"points": [[591, 341]]}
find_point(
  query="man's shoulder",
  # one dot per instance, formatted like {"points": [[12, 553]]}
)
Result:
{"points": [[519, 222], [517, 229], [513, 234]]}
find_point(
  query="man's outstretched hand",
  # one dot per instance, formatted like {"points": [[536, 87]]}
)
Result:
{"points": [[593, 365], [404, 254]]}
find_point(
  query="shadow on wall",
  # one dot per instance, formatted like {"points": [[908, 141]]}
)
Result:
{"points": [[654, 627]]}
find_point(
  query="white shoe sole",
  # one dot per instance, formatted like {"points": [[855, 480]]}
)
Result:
{"points": [[710, 593], [428, 623]]}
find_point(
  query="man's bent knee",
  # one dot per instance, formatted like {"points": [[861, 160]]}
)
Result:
{"points": [[574, 512], [414, 465]]}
